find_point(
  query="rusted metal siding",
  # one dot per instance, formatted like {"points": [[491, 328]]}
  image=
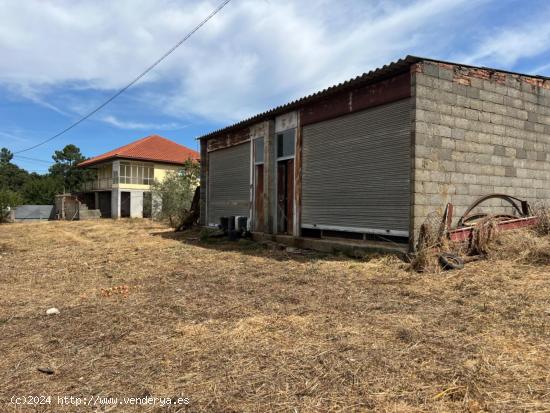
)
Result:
{"points": [[228, 183], [356, 171], [385, 91], [229, 139]]}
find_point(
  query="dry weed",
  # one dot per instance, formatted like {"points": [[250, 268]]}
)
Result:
{"points": [[541, 209], [522, 245], [259, 330]]}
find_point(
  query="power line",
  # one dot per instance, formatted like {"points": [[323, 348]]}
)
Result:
{"points": [[121, 91], [26, 158]]}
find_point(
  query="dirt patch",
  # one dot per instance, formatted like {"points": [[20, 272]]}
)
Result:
{"points": [[239, 328]]}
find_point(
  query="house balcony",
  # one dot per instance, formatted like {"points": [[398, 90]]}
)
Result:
{"points": [[104, 184]]}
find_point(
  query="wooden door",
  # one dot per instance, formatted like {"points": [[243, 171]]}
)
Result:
{"points": [[285, 196]]}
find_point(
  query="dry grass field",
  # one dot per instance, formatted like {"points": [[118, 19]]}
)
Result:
{"points": [[238, 328]]}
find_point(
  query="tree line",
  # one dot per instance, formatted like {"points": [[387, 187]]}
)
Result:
{"points": [[18, 186]]}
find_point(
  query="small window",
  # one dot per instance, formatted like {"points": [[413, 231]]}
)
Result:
{"points": [[285, 143], [259, 150]]}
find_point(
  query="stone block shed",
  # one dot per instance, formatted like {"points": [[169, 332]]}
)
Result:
{"points": [[370, 158]]}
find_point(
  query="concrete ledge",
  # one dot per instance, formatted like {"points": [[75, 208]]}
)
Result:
{"points": [[353, 248]]}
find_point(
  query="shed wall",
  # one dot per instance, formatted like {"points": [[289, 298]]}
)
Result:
{"points": [[477, 132]]}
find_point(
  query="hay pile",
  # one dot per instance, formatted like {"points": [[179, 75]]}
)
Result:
{"points": [[525, 246]]}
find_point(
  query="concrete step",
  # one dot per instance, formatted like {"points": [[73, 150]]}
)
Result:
{"points": [[90, 214]]}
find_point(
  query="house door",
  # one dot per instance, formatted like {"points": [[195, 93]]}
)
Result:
{"points": [[125, 204], [105, 204], [285, 196], [147, 205]]}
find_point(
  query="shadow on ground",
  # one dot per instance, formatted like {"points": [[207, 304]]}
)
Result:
{"points": [[252, 248]]}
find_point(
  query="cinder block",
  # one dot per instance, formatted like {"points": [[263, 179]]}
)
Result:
{"points": [[500, 170], [461, 90], [430, 69], [476, 104], [473, 92], [532, 117], [529, 126], [510, 171], [539, 128], [501, 89], [443, 131], [515, 92], [443, 85], [458, 133], [462, 123], [499, 129], [491, 97], [470, 178], [447, 120], [496, 118], [471, 114], [500, 150], [448, 143], [446, 74], [489, 86]]}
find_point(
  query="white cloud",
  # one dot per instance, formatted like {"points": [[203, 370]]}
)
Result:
{"points": [[252, 55], [508, 45], [133, 125]]}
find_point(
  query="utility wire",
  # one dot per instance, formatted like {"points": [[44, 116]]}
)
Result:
{"points": [[26, 158], [121, 91]]}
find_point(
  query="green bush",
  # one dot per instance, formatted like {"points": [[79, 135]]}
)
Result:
{"points": [[173, 196], [8, 200]]}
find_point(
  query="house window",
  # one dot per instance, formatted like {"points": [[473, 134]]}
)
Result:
{"points": [[148, 175], [285, 143], [137, 174]]}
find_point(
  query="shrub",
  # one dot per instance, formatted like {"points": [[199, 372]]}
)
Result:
{"points": [[173, 196], [8, 200]]}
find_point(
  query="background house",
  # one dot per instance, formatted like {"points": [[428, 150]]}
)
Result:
{"points": [[123, 176], [371, 157]]}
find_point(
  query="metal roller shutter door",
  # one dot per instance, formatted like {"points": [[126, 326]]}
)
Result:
{"points": [[228, 182], [356, 171]]}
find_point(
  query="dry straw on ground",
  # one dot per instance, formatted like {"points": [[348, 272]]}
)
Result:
{"points": [[239, 328]]}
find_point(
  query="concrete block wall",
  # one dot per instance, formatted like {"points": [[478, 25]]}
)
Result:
{"points": [[476, 132]]}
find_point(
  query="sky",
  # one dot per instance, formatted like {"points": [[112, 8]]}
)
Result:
{"points": [[60, 59]]}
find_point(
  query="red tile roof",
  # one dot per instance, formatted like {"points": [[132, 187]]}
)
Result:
{"points": [[151, 148]]}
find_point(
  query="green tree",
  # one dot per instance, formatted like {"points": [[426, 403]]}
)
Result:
{"points": [[12, 177], [173, 196], [5, 155], [8, 200], [41, 189], [65, 168]]}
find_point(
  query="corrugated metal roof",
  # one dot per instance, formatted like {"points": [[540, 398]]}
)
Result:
{"points": [[150, 148], [385, 71]]}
